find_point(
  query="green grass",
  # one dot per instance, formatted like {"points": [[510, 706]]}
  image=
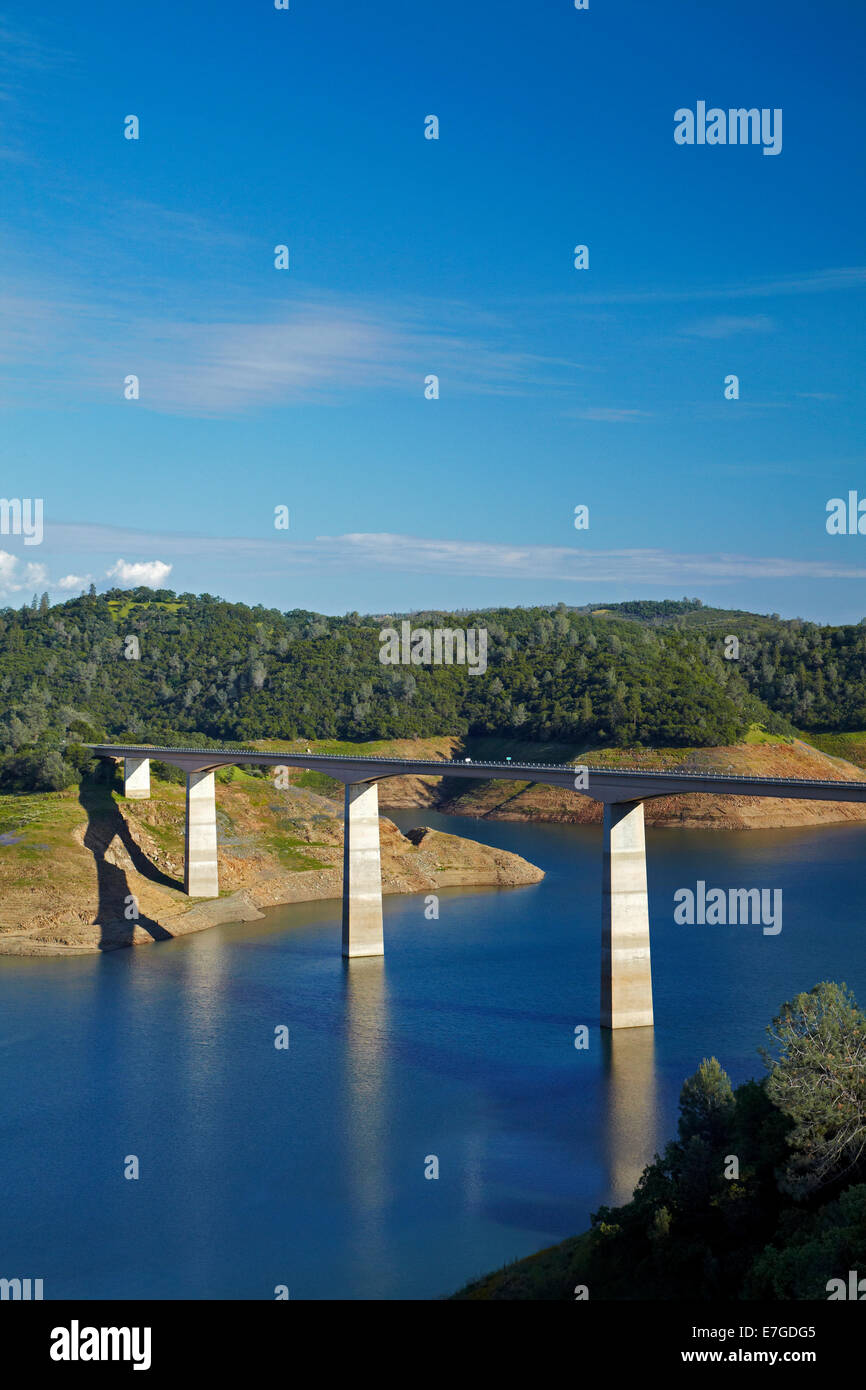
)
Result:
{"points": [[851, 746], [317, 782], [758, 734], [286, 849], [242, 777], [332, 746], [121, 608], [45, 814], [19, 812], [168, 837]]}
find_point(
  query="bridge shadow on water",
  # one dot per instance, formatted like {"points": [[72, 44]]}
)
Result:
{"points": [[105, 824]]}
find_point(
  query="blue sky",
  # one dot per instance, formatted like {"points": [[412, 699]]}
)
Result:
{"points": [[409, 257]]}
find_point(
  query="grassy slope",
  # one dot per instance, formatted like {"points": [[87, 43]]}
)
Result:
{"points": [[551, 1274], [851, 747], [47, 868]]}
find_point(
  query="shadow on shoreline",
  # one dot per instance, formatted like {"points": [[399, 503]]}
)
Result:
{"points": [[104, 825]]}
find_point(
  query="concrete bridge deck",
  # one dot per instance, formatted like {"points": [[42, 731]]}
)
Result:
{"points": [[626, 981], [603, 784]]}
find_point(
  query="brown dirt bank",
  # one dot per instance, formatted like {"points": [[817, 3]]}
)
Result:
{"points": [[67, 885], [532, 801]]}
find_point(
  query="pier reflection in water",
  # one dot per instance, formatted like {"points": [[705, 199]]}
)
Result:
{"points": [[631, 1107], [364, 1094]]}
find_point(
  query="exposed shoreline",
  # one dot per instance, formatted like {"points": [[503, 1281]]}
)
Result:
{"points": [[538, 803], [128, 861]]}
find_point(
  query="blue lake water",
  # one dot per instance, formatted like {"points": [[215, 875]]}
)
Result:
{"points": [[305, 1167]]}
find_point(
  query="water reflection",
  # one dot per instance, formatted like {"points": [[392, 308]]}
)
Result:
{"points": [[631, 1106], [365, 1089]]}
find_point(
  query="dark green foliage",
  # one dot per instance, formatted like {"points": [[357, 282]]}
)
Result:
{"points": [[706, 1104], [818, 1079], [816, 1246], [633, 674], [227, 672], [42, 769]]}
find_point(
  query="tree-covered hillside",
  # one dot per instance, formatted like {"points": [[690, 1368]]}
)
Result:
{"points": [[158, 667]]}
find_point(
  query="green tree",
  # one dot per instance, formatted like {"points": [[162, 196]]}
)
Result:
{"points": [[818, 1078], [706, 1104]]}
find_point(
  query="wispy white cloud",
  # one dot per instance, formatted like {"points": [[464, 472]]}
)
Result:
{"points": [[610, 414], [319, 348], [22, 54], [24, 58], [140, 219], [221, 557], [483, 559], [843, 278], [729, 326]]}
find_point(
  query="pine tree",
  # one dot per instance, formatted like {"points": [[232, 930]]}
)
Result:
{"points": [[818, 1079], [706, 1104]]}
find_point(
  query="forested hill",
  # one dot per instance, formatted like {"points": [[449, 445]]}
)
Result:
{"points": [[634, 673]]}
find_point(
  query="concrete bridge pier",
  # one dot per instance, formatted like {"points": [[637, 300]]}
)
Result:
{"points": [[362, 872], [200, 870], [626, 978], [136, 778]]}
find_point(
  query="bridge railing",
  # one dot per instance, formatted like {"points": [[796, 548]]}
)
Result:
{"points": [[143, 750]]}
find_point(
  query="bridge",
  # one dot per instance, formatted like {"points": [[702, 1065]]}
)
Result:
{"points": [[626, 976]]}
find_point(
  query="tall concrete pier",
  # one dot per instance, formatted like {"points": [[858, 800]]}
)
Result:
{"points": [[626, 977], [362, 872], [136, 778], [200, 872]]}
